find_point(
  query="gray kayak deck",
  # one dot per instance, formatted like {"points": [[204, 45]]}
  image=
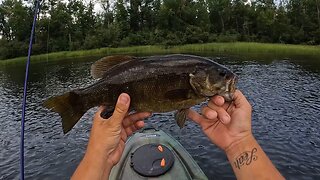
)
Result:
{"points": [[184, 166]]}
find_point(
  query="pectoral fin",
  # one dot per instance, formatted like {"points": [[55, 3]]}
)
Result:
{"points": [[100, 67], [181, 117]]}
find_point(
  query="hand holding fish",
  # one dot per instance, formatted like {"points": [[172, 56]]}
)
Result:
{"points": [[107, 140], [225, 122], [228, 125]]}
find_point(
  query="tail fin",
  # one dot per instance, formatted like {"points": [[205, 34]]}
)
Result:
{"points": [[69, 107]]}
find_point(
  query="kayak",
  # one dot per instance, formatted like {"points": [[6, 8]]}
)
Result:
{"points": [[154, 154]]}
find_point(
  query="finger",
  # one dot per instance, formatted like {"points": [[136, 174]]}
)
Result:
{"points": [[209, 113], [218, 100], [128, 131], [223, 115], [240, 100], [131, 119], [139, 124], [196, 117], [121, 108], [213, 105], [228, 106], [203, 122], [133, 128]]}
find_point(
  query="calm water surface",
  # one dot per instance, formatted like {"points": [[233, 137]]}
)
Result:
{"points": [[286, 117]]}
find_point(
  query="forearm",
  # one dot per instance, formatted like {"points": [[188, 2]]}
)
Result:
{"points": [[249, 161], [92, 167]]}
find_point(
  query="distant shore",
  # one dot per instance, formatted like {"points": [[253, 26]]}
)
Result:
{"points": [[247, 49]]}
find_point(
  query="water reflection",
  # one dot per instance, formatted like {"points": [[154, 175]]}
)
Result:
{"points": [[284, 94]]}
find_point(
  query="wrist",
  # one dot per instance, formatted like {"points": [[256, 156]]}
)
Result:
{"points": [[95, 159], [241, 145], [97, 164], [99, 149]]}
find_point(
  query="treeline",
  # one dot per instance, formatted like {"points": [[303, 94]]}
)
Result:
{"points": [[74, 25]]}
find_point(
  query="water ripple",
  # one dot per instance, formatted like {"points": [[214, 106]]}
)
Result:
{"points": [[286, 116]]}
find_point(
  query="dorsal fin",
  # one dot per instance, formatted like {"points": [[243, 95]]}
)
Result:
{"points": [[100, 67]]}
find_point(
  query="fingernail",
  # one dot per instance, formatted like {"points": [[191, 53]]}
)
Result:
{"points": [[219, 100], [225, 118], [123, 99]]}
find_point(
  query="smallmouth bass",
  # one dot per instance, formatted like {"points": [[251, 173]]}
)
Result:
{"points": [[155, 84]]}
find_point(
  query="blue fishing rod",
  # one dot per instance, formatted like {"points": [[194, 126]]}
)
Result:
{"points": [[36, 10]]}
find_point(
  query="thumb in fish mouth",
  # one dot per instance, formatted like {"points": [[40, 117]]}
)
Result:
{"points": [[120, 111]]}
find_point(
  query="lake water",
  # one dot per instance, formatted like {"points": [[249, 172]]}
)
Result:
{"points": [[286, 117]]}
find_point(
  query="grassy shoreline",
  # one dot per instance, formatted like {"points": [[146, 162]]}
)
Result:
{"points": [[254, 50]]}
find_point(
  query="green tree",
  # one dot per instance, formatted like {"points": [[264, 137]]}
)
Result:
{"points": [[219, 14], [73, 24], [265, 19], [134, 15], [61, 26], [122, 18], [107, 16], [282, 29], [14, 20]]}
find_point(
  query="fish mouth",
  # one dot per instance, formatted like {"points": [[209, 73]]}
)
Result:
{"points": [[225, 88], [230, 89], [231, 84]]}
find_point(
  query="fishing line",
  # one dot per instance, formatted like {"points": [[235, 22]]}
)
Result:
{"points": [[25, 91], [48, 39]]}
